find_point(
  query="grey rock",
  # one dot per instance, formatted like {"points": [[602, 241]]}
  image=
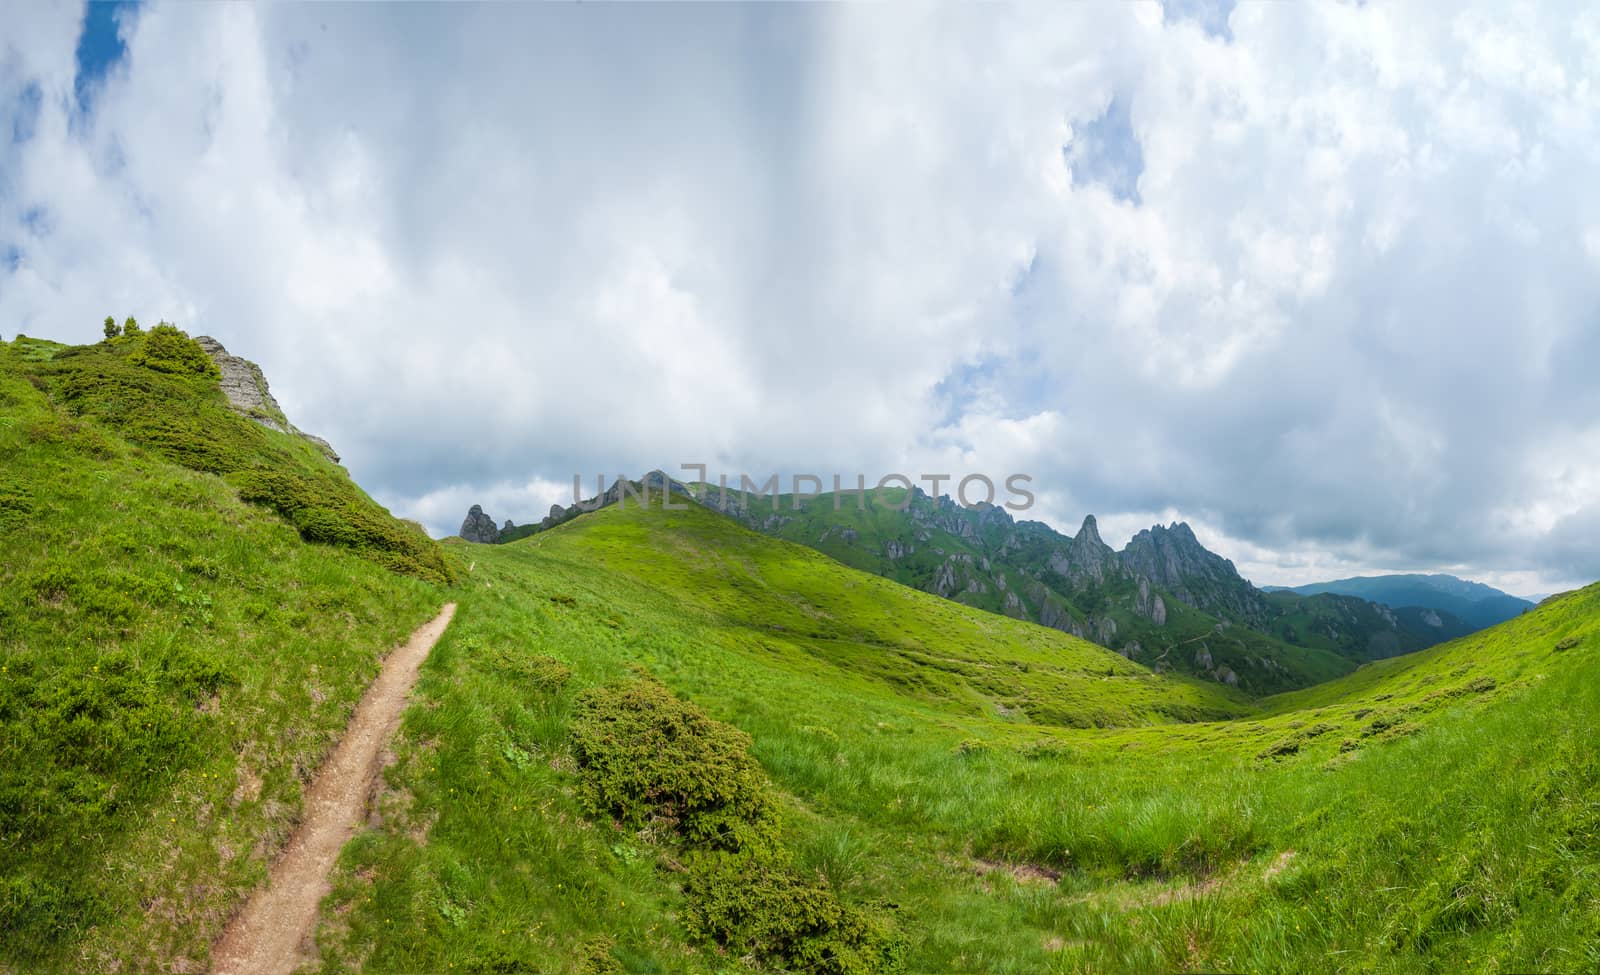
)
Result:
{"points": [[479, 527], [1052, 615], [1172, 558], [246, 388]]}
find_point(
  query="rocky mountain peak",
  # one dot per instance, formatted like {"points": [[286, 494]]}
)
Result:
{"points": [[1089, 532], [1173, 558], [479, 527]]}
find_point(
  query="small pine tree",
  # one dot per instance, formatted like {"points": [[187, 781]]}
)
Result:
{"points": [[112, 331], [131, 327]]}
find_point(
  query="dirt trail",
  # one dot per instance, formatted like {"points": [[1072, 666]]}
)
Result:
{"points": [[265, 937]]}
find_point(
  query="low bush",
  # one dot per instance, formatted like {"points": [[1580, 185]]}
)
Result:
{"points": [[798, 924], [651, 759], [167, 349], [547, 675]]}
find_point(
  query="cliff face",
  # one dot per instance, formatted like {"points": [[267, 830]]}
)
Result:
{"points": [[246, 388], [1173, 559]]}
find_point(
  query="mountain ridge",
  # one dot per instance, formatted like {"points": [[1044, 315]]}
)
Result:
{"points": [[1476, 603]]}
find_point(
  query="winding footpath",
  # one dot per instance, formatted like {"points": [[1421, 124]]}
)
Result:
{"points": [[265, 937]]}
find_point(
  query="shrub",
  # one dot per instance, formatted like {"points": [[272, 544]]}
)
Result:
{"points": [[112, 330], [166, 349], [16, 505], [1283, 747], [546, 675], [131, 327], [328, 509], [649, 758], [795, 923]]}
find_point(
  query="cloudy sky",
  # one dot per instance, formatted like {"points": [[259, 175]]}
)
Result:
{"points": [[1321, 279]]}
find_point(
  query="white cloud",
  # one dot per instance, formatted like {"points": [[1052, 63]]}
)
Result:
{"points": [[483, 248]]}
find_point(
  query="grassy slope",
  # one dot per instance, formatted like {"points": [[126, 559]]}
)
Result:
{"points": [[1263, 663], [1356, 628], [1435, 812], [174, 663]]}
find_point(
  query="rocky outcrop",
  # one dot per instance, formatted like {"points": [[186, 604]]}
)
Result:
{"points": [[1173, 559], [479, 527], [1085, 559], [245, 386]]}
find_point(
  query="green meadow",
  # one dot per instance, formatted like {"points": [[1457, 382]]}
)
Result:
{"points": [[1007, 798], [655, 741]]}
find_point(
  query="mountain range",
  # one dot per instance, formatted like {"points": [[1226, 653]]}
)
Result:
{"points": [[1163, 600], [654, 740], [1473, 603]]}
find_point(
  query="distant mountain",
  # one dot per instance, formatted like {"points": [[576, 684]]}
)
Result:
{"points": [[981, 557], [1476, 604], [1164, 600]]}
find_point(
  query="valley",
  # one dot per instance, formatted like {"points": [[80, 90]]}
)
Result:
{"points": [[658, 740]]}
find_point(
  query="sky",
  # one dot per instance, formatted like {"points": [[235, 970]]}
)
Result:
{"points": [[1320, 279]]}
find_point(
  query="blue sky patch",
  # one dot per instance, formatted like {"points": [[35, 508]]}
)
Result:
{"points": [[1211, 15], [25, 117], [1107, 152], [100, 46]]}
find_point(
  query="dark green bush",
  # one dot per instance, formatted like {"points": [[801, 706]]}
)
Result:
{"points": [[167, 349], [649, 758], [326, 508], [1283, 747], [546, 675], [795, 923], [16, 504]]}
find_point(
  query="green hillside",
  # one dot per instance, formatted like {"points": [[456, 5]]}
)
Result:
{"points": [[174, 660], [1026, 570], [1357, 628], [1424, 812], [1475, 603], [657, 742]]}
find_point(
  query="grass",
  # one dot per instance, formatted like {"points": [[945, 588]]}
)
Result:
{"points": [[1431, 811], [174, 664], [655, 742], [984, 561]]}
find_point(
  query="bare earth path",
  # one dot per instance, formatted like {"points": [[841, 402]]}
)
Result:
{"points": [[264, 938]]}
